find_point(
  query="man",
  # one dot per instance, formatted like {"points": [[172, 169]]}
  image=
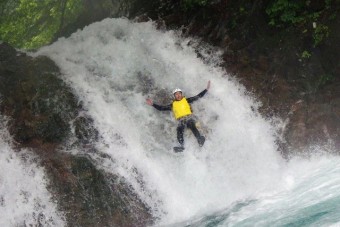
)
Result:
{"points": [[183, 113]]}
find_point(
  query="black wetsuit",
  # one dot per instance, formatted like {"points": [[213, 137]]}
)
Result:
{"points": [[187, 121]]}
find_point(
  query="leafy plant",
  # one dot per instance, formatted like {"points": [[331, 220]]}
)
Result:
{"points": [[320, 33], [282, 12], [190, 4], [325, 79], [32, 23], [298, 14], [306, 54]]}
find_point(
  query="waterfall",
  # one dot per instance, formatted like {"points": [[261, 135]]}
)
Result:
{"points": [[115, 64], [24, 198]]}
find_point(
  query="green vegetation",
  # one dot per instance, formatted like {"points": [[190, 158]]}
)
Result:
{"points": [[30, 24], [295, 12], [283, 12], [301, 14], [306, 54], [190, 4], [320, 33], [324, 79]]}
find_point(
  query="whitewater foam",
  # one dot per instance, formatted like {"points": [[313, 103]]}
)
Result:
{"points": [[24, 198]]}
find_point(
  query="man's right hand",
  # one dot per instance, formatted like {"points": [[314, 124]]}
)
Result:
{"points": [[149, 102]]}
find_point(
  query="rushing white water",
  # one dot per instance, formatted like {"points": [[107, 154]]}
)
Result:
{"points": [[24, 198], [114, 65], [309, 197]]}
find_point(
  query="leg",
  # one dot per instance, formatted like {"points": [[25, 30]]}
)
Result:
{"points": [[192, 125], [180, 131]]}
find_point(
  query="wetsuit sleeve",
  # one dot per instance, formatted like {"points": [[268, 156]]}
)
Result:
{"points": [[162, 108], [200, 95]]}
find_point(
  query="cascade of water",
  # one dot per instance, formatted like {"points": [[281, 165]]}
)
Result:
{"points": [[114, 65], [24, 198]]}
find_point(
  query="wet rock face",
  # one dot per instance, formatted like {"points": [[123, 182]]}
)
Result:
{"points": [[38, 102], [91, 197], [315, 120], [41, 109], [302, 92]]}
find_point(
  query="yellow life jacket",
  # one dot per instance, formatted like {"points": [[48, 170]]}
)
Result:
{"points": [[181, 108]]}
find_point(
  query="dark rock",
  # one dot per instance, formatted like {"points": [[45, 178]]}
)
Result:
{"points": [[39, 103], [92, 197], [84, 130]]}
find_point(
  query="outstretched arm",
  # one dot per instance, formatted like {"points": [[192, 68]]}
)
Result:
{"points": [[208, 85], [200, 95], [158, 107]]}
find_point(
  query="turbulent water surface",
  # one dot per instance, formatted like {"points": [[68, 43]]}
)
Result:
{"points": [[24, 199], [237, 179]]}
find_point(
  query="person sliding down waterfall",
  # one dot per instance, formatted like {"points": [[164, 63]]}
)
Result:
{"points": [[183, 113]]}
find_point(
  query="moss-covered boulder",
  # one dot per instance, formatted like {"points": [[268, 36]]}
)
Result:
{"points": [[37, 101]]}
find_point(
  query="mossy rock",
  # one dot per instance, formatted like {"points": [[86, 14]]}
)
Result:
{"points": [[91, 197], [39, 104]]}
